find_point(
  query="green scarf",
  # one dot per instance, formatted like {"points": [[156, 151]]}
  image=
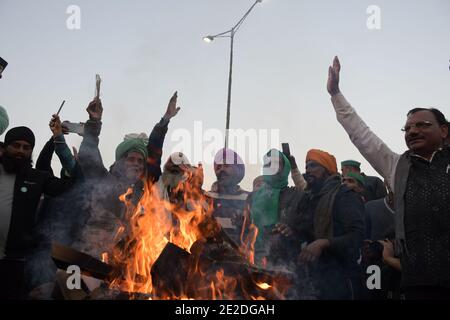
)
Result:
{"points": [[265, 201]]}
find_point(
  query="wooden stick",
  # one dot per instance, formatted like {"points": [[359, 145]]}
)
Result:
{"points": [[98, 80], [59, 110]]}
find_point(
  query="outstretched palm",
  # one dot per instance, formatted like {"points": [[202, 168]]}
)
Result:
{"points": [[333, 77], [172, 108]]}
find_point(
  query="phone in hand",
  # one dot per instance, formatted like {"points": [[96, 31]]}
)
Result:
{"points": [[72, 127], [285, 148], [3, 65]]}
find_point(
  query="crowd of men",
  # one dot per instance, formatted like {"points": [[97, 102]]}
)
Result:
{"points": [[326, 230]]}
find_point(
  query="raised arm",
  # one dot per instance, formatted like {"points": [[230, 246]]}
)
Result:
{"points": [[44, 161], [299, 181], [68, 161], [89, 156], [156, 139], [371, 147]]}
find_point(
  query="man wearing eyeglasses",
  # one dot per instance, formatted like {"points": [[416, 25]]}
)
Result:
{"points": [[420, 178]]}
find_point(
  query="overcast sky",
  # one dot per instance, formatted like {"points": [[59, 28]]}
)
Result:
{"points": [[145, 50]]}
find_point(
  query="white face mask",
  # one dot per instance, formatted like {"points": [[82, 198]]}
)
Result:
{"points": [[274, 166]]}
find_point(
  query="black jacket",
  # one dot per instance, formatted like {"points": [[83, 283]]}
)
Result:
{"points": [[30, 185], [44, 161], [338, 263]]}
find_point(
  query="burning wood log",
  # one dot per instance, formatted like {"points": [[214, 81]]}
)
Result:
{"points": [[177, 273], [62, 292], [65, 256], [170, 271]]}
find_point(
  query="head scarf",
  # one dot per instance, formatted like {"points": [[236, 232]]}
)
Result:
{"points": [[4, 120], [132, 142], [265, 201], [351, 163], [323, 158], [359, 178]]}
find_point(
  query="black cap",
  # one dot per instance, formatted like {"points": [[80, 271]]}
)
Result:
{"points": [[20, 133]]}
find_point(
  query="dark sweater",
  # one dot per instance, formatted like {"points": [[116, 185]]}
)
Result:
{"points": [[427, 222]]}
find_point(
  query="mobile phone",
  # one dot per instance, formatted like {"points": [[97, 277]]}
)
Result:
{"points": [[285, 148], [3, 65], [72, 127]]}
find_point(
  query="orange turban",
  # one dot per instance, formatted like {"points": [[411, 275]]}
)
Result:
{"points": [[326, 160]]}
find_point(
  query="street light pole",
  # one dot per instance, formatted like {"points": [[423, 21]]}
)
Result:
{"points": [[230, 76], [230, 34]]}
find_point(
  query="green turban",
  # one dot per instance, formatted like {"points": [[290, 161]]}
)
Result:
{"points": [[359, 178], [132, 143], [4, 120], [351, 163]]}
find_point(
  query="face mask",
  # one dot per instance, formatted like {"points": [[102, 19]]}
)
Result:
{"points": [[273, 168]]}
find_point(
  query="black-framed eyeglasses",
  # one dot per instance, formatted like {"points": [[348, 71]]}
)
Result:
{"points": [[419, 125]]}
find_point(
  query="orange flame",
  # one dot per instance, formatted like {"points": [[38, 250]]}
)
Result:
{"points": [[161, 217]]}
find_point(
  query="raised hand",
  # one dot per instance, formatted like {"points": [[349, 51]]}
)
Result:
{"points": [[292, 161], [95, 109], [333, 77], [55, 126], [172, 108]]}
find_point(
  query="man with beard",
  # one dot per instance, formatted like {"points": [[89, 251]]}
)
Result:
{"points": [[229, 198], [138, 158], [333, 227], [21, 188], [420, 179]]}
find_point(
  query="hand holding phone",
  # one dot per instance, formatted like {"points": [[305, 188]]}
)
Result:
{"points": [[3, 65], [286, 150]]}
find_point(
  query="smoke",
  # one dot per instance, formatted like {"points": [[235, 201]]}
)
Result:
{"points": [[60, 220]]}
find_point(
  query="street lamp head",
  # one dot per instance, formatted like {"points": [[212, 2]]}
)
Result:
{"points": [[208, 38]]}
